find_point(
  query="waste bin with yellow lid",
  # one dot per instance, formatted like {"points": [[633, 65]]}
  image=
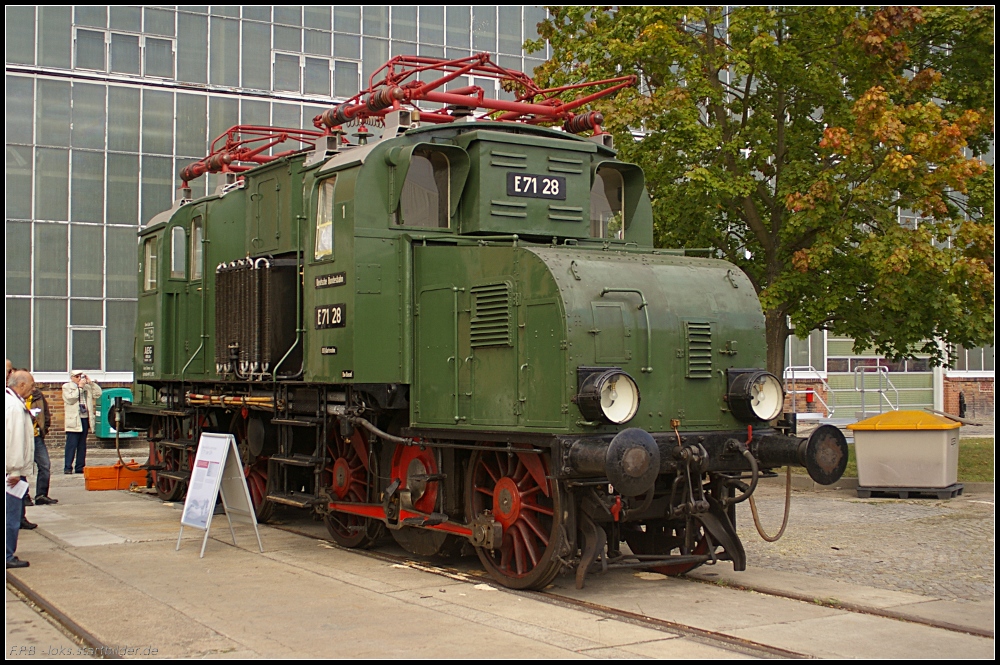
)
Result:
{"points": [[907, 451]]}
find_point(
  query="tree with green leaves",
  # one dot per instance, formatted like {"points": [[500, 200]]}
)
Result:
{"points": [[790, 138]]}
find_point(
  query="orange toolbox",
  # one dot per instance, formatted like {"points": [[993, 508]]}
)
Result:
{"points": [[116, 477]]}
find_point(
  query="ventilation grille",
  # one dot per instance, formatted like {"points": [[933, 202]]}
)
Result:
{"points": [[509, 160], [699, 350], [490, 325]]}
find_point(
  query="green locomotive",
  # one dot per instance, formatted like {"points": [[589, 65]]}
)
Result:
{"points": [[456, 329]]}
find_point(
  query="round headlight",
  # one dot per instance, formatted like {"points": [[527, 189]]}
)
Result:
{"points": [[756, 395], [612, 395]]}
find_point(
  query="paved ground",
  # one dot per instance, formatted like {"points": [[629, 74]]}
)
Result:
{"points": [[943, 549], [107, 560]]}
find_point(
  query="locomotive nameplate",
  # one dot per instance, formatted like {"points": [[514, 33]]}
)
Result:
{"points": [[336, 279], [536, 186], [330, 316]]}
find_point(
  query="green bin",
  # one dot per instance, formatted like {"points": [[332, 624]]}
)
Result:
{"points": [[102, 428]]}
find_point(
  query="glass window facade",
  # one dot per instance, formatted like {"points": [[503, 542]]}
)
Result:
{"points": [[105, 104]]}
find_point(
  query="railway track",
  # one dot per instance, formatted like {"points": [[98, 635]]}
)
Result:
{"points": [[716, 638], [459, 571], [85, 642]]}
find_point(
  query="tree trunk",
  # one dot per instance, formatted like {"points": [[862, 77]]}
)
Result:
{"points": [[775, 333]]}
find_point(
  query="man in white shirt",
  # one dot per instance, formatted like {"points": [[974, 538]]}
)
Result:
{"points": [[19, 455]]}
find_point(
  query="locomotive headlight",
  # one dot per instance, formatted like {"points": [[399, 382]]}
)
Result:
{"points": [[605, 393], [755, 395]]}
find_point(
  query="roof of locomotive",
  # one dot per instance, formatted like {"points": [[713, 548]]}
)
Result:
{"points": [[357, 154]]}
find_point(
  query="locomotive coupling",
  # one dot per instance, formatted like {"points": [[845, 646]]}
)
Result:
{"points": [[631, 461], [823, 454]]}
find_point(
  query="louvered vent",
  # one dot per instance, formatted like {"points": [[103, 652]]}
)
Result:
{"points": [[490, 324], [699, 350]]}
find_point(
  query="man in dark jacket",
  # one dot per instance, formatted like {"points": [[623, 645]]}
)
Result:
{"points": [[42, 417]]}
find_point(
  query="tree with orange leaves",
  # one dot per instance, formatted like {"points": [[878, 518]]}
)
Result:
{"points": [[789, 139]]}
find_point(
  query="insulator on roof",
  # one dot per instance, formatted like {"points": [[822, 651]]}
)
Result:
{"points": [[584, 122], [384, 98]]}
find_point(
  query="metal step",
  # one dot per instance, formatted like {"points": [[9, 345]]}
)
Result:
{"points": [[298, 460], [183, 445], [175, 475], [296, 422], [296, 499]]}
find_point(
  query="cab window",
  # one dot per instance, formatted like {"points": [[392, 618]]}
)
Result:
{"points": [[196, 247], [424, 199], [607, 205], [178, 252], [324, 221], [149, 264]]}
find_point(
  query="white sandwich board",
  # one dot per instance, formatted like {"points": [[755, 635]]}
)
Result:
{"points": [[217, 471]]}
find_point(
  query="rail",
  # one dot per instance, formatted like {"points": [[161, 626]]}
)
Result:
{"points": [[884, 383], [811, 373]]}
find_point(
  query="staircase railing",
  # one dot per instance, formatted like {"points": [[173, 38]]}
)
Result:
{"points": [[797, 373], [884, 385]]}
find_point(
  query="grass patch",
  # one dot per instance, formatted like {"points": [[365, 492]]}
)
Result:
{"points": [[975, 461]]}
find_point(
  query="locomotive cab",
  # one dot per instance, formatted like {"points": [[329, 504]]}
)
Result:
{"points": [[457, 331]]}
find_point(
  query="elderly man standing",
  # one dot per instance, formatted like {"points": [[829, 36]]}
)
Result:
{"points": [[79, 394], [19, 455]]}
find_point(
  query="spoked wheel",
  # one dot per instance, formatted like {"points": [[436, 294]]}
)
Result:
{"points": [[168, 489], [411, 465], [254, 468], [668, 537], [352, 481], [516, 489], [169, 458]]}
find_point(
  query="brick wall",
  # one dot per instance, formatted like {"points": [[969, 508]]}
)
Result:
{"points": [[53, 395], [979, 403], [802, 404]]}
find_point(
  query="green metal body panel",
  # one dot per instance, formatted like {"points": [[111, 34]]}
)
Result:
{"points": [[702, 314], [486, 321]]}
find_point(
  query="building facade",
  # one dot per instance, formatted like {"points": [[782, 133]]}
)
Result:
{"points": [[106, 104]]}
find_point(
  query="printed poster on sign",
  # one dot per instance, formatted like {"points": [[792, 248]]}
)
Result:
{"points": [[217, 475], [204, 486]]}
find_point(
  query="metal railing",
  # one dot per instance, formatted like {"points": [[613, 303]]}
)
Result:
{"points": [[792, 376], [884, 384]]}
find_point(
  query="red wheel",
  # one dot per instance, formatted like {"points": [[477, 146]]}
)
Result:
{"points": [[168, 489], [352, 479], [516, 489], [169, 458], [664, 537], [411, 465], [254, 468]]}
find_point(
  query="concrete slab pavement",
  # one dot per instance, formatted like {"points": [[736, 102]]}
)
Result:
{"points": [[107, 559]]}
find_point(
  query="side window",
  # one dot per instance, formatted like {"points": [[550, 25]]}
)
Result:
{"points": [[607, 205], [149, 264], [178, 253], [196, 248], [324, 220], [425, 197]]}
